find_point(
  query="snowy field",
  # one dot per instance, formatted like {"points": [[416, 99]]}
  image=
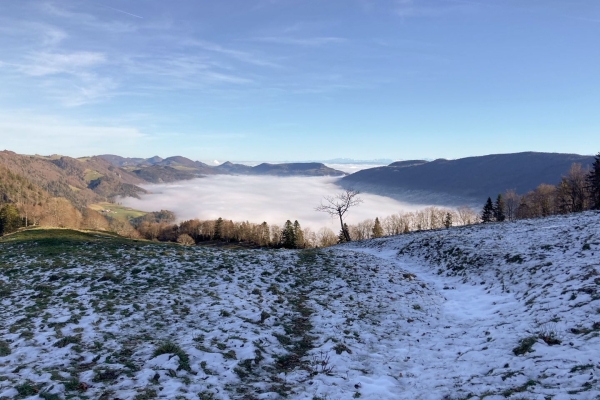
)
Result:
{"points": [[497, 311]]}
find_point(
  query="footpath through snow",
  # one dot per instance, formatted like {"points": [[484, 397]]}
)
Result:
{"points": [[453, 350], [490, 311], [517, 312]]}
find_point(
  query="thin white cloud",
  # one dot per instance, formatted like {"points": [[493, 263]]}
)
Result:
{"points": [[309, 41], [86, 19], [51, 63], [421, 8], [183, 70], [69, 77], [243, 56], [124, 12], [46, 34], [260, 198], [24, 131]]}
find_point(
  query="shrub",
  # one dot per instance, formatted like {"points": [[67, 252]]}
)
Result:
{"points": [[172, 348], [185, 240], [67, 340], [525, 345], [4, 349]]}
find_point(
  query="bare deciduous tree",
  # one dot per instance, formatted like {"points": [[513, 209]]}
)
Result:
{"points": [[185, 240], [338, 205], [466, 215], [511, 203], [326, 237]]}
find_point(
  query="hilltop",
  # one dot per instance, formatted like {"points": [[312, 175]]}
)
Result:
{"points": [[171, 169], [506, 310], [466, 180], [81, 181]]}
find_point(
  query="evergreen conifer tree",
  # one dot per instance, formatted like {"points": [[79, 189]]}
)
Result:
{"points": [[298, 236], [377, 229], [10, 220], [593, 181], [448, 221], [218, 229], [488, 211], [344, 233], [288, 239], [499, 209]]}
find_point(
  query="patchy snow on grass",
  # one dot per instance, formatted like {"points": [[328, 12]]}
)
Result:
{"points": [[499, 311]]}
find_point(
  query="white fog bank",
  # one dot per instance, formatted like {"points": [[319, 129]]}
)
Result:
{"points": [[260, 198]]}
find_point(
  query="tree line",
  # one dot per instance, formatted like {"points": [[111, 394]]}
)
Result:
{"points": [[577, 191], [291, 235]]}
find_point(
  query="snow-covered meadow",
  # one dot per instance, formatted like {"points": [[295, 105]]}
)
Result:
{"points": [[491, 311]]}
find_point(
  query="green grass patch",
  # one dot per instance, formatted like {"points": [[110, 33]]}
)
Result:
{"points": [[525, 346], [172, 348], [118, 211]]}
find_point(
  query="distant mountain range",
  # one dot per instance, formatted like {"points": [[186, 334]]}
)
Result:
{"points": [[464, 181], [353, 161], [158, 170], [471, 180], [88, 180], [82, 181]]}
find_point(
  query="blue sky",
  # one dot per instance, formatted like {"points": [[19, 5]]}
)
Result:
{"points": [[299, 79]]}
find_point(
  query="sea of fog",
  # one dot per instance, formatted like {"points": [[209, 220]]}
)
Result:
{"points": [[260, 198]]}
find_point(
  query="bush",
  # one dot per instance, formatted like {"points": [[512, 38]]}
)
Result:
{"points": [[185, 240], [67, 340], [10, 220], [4, 349], [525, 346], [172, 348]]}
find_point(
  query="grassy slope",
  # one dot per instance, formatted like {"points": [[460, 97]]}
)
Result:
{"points": [[94, 315], [90, 311], [118, 211]]}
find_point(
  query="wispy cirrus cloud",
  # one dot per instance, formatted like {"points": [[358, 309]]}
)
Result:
{"points": [[124, 12], [239, 55], [69, 77], [52, 63], [46, 34], [181, 70], [307, 41], [86, 19], [432, 8], [21, 133]]}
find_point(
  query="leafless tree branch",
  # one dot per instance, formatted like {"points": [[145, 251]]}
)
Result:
{"points": [[339, 204]]}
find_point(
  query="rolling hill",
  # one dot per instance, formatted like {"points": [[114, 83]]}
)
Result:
{"points": [[464, 181], [81, 181], [171, 169]]}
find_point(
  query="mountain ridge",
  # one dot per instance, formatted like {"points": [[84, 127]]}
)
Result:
{"points": [[170, 169], [468, 180]]}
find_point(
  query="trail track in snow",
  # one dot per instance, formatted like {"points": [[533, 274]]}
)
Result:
{"points": [[427, 315], [498, 284]]}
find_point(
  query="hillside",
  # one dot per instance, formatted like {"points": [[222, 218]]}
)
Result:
{"points": [[16, 189], [295, 169], [171, 169], [81, 181], [487, 311], [464, 181], [289, 169]]}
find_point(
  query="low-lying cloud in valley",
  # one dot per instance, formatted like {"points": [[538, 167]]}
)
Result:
{"points": [[260, 198]]}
